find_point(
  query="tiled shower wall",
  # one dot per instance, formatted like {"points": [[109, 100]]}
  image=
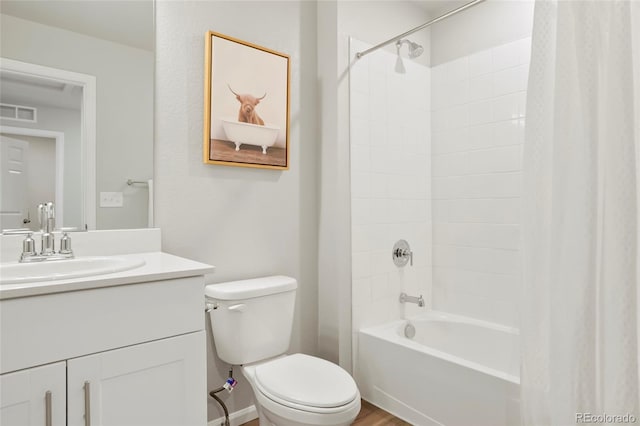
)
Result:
{"points": [[478, 115], [390, 184]]}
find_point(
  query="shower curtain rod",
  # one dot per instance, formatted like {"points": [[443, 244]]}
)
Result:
{"points": [[425, 25]]}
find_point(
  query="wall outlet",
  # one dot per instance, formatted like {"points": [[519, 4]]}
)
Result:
{"points": [[111, 199]]}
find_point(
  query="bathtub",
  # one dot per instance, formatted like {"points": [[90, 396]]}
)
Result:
{"points": [[250, 134], [455, 371]]}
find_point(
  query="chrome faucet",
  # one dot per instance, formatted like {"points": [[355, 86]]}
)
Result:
{"points": [[404, 298], [47, 219]]}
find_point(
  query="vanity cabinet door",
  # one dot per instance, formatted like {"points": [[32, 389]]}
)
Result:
{"points": [[36, 396], [157, 383]]}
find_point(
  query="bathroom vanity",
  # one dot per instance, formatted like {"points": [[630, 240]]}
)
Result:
{"points": [[124, 348]]}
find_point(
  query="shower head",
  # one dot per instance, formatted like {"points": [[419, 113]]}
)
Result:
{"points": [[415, 49]]}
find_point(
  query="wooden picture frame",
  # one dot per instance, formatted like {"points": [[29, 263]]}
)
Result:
{"points": [[246, 104]]}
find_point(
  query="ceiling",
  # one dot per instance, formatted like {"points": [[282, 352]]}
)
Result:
{"points": [[21, 89], [129, 22], [125, 22], [435, 8]]}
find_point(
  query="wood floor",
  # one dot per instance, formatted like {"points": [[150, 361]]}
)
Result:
{"points": [[370, 415]]}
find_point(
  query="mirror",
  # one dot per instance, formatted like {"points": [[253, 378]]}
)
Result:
{"points": [[77, 85]]}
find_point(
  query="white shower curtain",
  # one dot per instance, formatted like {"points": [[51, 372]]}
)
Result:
{"points": [[580, 305]]}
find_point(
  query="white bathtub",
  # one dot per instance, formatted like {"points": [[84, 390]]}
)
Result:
{"points": [[250, 134], [456, 371]]}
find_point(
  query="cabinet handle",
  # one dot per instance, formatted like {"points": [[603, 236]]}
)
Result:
{"points": [[47, 408], [87, 403]]}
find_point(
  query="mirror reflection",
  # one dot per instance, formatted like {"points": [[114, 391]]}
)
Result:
{"points": [[69, 140]]}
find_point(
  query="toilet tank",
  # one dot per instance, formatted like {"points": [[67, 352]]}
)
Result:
{"points": [[252, 319]]}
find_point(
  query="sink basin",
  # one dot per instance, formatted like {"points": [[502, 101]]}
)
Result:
{"points": [[16, 273]]}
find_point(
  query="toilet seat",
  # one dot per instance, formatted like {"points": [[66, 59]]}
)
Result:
{"points": [[306, 383]]}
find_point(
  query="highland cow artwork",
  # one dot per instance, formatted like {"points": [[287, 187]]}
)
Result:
{"points": [[246, 95]]}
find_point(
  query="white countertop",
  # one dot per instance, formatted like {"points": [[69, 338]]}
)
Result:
{"points": [[158, 266]]}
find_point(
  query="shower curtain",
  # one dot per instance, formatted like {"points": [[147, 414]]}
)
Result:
{"points": [[580, 307]]}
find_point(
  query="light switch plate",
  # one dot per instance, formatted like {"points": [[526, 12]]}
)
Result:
{"points": [[111, 199]]}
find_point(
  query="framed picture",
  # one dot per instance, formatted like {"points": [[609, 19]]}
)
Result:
{"points": [[246, 118]]}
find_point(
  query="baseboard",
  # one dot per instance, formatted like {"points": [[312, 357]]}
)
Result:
{"points": [[238, 417]]}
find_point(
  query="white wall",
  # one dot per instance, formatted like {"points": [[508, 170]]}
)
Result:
{"points": [[337, 22], [486, 25], [635, 13], [390, 186], [380, 21], [66, 121], [43, 186], [40, 172], [334, 259], [247, 222], [478, 116], [124, 107]]}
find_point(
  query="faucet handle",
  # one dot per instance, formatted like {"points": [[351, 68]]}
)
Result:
{"points": [[65, 244], [408, 253], [402, 253], [28, 246]]}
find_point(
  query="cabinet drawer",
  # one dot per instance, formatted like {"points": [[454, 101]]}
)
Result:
{"points": [[42, 329]]}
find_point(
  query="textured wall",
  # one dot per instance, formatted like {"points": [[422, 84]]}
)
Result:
{"points": [[246, 222]]}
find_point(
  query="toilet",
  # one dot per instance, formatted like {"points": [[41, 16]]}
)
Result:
{"points": [[251, 322]]}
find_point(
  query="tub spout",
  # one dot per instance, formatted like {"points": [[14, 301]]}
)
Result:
{"points": [[404, 298]]}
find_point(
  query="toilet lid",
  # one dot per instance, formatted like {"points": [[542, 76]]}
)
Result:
{"points": [[306, 380]]}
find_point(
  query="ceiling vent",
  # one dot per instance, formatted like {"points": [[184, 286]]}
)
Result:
{"points": [[18, 113]]}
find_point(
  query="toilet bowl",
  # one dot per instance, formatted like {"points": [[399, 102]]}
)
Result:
{"points": [[251, 322], [300, 389]]}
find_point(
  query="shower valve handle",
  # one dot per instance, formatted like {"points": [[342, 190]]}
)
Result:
{"points": [[402, 253]]}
